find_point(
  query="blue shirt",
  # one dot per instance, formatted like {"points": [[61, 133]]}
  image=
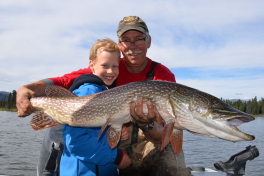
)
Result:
{"points": [[83, 152]]}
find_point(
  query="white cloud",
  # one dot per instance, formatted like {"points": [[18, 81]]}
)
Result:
{"points": [[41, 39], [230, 56], [227, 88]]}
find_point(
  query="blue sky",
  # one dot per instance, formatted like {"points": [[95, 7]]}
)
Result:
{"points": [[213, 46]]}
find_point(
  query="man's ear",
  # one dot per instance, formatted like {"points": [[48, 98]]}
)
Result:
{"points": [[149, 42]]}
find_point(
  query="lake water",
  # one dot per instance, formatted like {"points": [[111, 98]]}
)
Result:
{"points": [[20, 145]]}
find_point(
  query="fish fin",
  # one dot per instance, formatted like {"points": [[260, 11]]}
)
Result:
{"points": [[58, 91], [102, 130], [167, 132], [41, 121], [176, 141], [103, 127], [113, 135], [169, 119]]}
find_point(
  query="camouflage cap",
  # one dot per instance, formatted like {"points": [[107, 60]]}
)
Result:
{"points": [[130, 23]]}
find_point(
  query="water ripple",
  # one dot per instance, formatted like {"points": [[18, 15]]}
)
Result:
{"points": [[20, 146]]}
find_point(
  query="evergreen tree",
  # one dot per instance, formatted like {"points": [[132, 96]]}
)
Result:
{"points": [[261, 106], [245, 106], [2, 103], [9, 101], [14, 99], [254, 106], [248, 109]]}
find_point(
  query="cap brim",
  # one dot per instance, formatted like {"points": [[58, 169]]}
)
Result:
{"points": [[127, 28]]}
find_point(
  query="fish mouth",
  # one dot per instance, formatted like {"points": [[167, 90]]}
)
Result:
{"points": [[225, 126], [238, 120]]}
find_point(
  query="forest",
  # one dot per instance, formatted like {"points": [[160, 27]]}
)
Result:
{"points": [[10, 103], [253, 106]]}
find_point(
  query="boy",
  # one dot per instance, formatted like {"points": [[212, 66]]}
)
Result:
{"points": [[84, 154]]}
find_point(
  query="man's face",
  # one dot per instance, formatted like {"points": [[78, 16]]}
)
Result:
{"points": [[135, 54]]}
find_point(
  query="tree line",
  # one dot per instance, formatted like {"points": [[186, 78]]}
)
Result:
{"points": [[251, 106], [10, 103]]}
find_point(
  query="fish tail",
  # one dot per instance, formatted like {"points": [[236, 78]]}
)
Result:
{"points": [[41, 121]]}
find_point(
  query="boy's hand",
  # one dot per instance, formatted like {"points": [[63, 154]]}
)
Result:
{"points": [[124, 133], [125, 162]]}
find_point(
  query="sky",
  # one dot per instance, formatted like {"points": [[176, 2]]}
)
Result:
{"points": [[213, 46]]}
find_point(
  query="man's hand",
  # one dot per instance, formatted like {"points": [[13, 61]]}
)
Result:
{"points": [[124, 133], [142, 119], [24, 107], [125, 162], [136, 111], [24, 93]]}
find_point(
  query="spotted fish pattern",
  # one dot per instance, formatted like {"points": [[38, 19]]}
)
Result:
{"points": [[180, 106]]}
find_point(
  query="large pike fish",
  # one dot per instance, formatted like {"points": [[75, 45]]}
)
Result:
{"points": [[181, 107]]}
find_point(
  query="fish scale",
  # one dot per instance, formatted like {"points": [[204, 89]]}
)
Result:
{"points": [[181, 107]]}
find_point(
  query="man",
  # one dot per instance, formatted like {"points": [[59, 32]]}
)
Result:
{"points": [[133, 41]]}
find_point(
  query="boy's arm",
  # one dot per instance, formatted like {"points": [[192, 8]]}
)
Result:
{"points": [[99, 151], [125, 162], [84, 144]]}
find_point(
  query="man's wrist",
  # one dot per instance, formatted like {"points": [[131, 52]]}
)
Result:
{"points": [[147, 127]]}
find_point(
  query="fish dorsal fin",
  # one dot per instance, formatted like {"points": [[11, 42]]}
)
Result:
{"points": [[58, 91], [41, 121], [176, 141], [113, 135]]}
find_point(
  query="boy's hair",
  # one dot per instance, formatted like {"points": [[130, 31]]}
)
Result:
{"points": [[103, 45]]}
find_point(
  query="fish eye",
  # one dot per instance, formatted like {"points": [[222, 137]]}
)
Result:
{"points": [[216, 103]]}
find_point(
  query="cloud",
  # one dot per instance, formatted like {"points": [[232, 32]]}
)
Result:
{"points": [[5, 80], [227, 87], [216, 44]]}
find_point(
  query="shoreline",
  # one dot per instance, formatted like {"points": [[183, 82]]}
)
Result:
{"points": [[11, 110]]}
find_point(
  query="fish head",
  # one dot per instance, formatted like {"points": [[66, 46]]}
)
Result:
{"points": [[218, 118], [203, 114]]}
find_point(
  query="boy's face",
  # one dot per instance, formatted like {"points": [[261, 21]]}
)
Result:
{"points": [[106, 66]]}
